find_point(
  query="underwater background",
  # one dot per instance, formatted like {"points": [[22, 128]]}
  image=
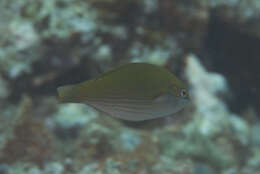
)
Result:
{"points": [[212, 45]]}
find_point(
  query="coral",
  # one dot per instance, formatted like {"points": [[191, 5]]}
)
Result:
{"points": [[20, 46], [54, 168], [159, 55], [212, 119], [108, 141], [205, 87], [20, 37], [70, 115], [128, 140], [69, 118]]}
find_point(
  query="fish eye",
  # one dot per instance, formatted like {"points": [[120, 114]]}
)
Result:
{"points": [[184, 93]]}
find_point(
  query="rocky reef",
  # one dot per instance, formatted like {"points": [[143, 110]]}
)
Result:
{"points": [[212, 45]]}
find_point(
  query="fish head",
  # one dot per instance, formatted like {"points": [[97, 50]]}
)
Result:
{"points": [[180, 94]]}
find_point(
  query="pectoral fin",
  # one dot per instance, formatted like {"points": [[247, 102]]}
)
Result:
{"points": [[162, 98]]}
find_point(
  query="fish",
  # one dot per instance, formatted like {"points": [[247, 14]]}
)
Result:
{"points": [[133, 92]]}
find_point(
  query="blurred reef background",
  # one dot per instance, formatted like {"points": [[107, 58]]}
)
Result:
{"points": [[213, 45]]}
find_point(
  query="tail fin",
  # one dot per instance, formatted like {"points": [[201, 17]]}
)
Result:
{"points": [[65, 93]]}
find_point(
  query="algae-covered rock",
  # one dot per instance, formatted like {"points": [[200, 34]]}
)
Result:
{"points": [[243, 15], [4, 168], [90, 168], [168, 165], [159, 55], [73, 115], [203, 169], [21, 46], [54, 168], [16, 51], [4, 90], [31, 140], [252, 165]]}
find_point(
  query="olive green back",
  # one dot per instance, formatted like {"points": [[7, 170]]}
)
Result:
{"points": [[134, 80]]}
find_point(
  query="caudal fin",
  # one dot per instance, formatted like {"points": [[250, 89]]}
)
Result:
{"points": [[65, 93]]}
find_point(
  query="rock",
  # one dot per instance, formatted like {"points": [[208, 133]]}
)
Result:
{"points": [[253, 162], [128, 140], [27, 143], [241, 15], [54, 168], [90, 168], [4, 168], [159, 55], [73, 115], [255, 134], [70, 118], [4, 90], [34, 170], [231, 171], [231, 48], [203, 169]]}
